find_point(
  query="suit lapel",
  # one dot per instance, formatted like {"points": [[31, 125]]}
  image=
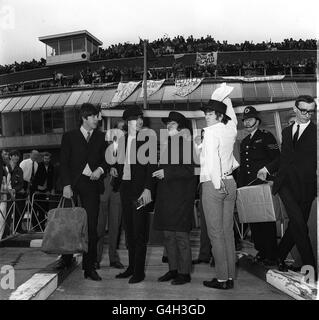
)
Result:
{"points": [[81, 137], [305, 133]]}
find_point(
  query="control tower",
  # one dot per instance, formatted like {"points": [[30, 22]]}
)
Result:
{"points": [[70, 47]]}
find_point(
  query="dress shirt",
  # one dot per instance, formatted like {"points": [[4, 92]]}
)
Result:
{"points": [[127, 167], [302, 127], [26, 166]]}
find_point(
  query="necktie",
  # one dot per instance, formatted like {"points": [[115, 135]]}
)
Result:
{"points": [[295, 137], [88, 136]]}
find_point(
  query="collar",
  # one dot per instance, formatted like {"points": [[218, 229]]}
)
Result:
{"points": [[252, 133], [85, 132], [302, 125]]}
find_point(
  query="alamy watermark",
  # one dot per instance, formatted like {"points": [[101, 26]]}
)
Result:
{"points": [[7, 277]]}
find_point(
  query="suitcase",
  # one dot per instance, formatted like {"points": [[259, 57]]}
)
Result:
{"points": [[257, 204]]}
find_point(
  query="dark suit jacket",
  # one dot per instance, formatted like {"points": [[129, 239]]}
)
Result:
{"points": [[141, 173], [76, 152], [42, 174], [297, 167]]}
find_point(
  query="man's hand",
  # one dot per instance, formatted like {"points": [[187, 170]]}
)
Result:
{"points": [[158, 174], [96, 174], [262, 174], [146, 196], [67, 192], [198, 140], [113, 172]]}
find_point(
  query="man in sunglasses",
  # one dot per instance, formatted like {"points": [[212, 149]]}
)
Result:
{"points": [[295, 181]]}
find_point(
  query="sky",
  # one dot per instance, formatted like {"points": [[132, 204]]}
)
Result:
{"points": [[118, 21]]}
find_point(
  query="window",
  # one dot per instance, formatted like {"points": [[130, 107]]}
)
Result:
{"points": [[36, 122], [90, 45], [65, 46], [12, 125], [71, 116], [57, 121], [26, 118], [78, 45], [53, 47], [47, 120]]}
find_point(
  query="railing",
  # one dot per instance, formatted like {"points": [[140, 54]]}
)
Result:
{"points": [[24, 214]]}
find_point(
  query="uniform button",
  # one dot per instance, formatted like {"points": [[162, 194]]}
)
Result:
{"points": [[247, 165], [246, 152], [247, 147], [248, 172], [246, 159]]}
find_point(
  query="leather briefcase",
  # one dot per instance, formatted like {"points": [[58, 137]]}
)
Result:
{"points": [[66, 231]]}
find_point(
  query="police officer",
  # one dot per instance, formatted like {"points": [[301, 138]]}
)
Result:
{"points": [[256, 150]]}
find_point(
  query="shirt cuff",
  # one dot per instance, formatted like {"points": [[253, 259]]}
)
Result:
{"points": [[267, 170], [101, 170]]}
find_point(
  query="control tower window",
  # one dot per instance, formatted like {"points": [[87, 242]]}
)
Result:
{"points": [[79, 45], [53, 48], [65, 46]]}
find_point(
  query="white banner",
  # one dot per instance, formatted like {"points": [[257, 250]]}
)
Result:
{"points": [[205, 59], [253, 79], [185, 86], [152, 87], [123, 91]]}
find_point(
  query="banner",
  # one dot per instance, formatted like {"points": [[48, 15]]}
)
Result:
{"points": [[253, 79], [123, 91], [185, 86], [206, 59], [152, 87]]}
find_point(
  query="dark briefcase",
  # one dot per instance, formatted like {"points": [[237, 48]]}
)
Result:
{"points": [[66, 231]]}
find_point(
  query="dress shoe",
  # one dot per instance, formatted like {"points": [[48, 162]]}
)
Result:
{"points": [[214, 283], [117, 265], [136, 279], [65, 263], [269, 263], [126, 274], [92, 274], [198, 261], [164, 259], [181, 279], [282, 266], [97, 266], [258, 258], [172, 274]]}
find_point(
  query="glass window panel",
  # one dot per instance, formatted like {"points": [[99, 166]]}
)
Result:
{"points": [[62, 99], [65, 46], [30, 103], [3, 103], [52, 48], [71, 118], [12, 125], [21, 103], [58, 121], [79, 44], [73, 98], [47, 120], [40, 102], [26, 118], [36, 122], [85, 96], [11, 104]]}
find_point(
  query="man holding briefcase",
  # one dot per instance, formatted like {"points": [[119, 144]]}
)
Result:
{"points": [[82, 167]]}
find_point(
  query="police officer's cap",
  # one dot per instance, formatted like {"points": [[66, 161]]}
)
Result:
{"points": [[251, 112], [132, 113]]}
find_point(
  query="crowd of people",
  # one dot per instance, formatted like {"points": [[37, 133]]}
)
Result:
{"points": [[115, 181]]}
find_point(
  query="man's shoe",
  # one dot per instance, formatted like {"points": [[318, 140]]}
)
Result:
{"points": [[172, 274], [136, 279], [164, 259], [215, 284], [269, 263], [181, 279], [282, 266], [230, 283], [258, 258], [126, 274], [198, 261], [65, 263], [117, 265], [92, 274], [97, 266]]}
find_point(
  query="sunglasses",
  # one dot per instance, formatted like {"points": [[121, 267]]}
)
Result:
{"points": [[305, 111]]}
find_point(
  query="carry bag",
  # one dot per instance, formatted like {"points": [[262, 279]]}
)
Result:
{"points": [[257, 204], [66, 231]]}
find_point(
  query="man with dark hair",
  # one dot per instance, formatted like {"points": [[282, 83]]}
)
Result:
{"points": [[15, 185], [43, 183], [296, 180], [136, 185], [82, 168], [258, 149]]}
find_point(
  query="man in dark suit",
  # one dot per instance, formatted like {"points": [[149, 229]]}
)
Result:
{"points": [[296, 180], [258, 149], [82, 167], [43, 183], [136, 183]]}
